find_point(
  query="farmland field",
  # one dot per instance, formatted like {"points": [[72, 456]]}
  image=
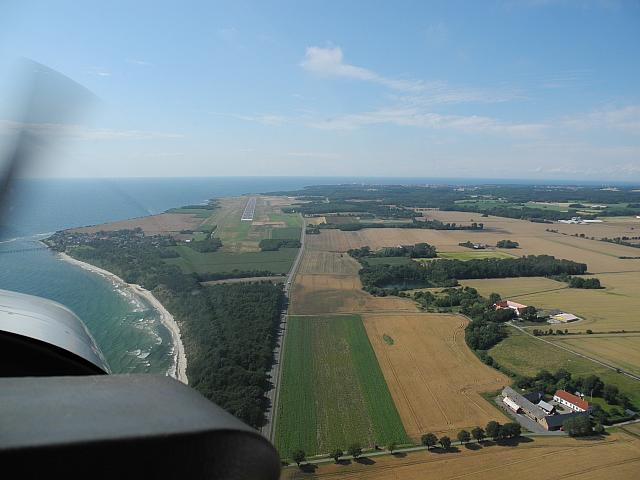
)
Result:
{"points": [[162, 224], [614, 457], [389, 260], [433, 377], [317, 294], [278, 262], [525, 355], [474, 255], [621, 350], [514, 287], [318, 262], [609, 309], [333, 392]]}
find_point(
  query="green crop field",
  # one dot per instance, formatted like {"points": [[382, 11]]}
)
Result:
{"points": [[198, 212], [333, 392], [190, 261], [286, 233], [525, 355], [292, 220]]}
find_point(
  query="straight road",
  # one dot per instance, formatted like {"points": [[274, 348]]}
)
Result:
{"points": [[269, 428]]}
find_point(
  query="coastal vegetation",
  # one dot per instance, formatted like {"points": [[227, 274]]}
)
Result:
{"points": [[228, 330]]}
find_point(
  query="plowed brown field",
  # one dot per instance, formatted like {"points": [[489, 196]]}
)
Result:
{"points": [[433, 377]]}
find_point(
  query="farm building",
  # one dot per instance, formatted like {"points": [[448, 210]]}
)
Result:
{"points": [[564, 317], [547, 407], [519, 404], [544, 413], [572, 401], [502, 304]]}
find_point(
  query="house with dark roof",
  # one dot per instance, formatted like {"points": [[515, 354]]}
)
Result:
{"points": [[543, 413]]}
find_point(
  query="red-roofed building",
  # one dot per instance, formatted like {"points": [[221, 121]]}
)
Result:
{"points": [[572, 401], [503, 304]]}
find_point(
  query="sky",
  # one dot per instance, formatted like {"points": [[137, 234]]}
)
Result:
{"points": [[536, 89]]}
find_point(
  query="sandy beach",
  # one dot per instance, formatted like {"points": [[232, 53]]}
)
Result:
{"points": [[179, 369]]}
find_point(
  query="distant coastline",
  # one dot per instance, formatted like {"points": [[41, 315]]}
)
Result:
{"points": [[179, 368]]}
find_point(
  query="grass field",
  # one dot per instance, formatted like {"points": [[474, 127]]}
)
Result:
{"points": [[278, 262], [286, 233], [615, 456], [621, 350], [525, 355], [433, 377], [198, 212], [333, 392]]}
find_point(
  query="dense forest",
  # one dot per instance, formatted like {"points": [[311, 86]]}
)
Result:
{"points": [[419, 250], [420, 224], [228, 330], [446, 273], [229, 333]]}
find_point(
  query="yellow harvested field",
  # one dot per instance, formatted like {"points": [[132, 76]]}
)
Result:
{"points": [[614, 457], [612, 308], [432, 375], [164, 223], [621, 350], [324, 294], [534, 240], [512, 287], [320, 262]]}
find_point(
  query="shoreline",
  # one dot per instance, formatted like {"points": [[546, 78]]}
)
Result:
{"points": [[179, 368]]}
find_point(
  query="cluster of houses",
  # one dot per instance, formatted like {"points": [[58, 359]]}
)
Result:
{"points": [[549, 415], [553, 316]]}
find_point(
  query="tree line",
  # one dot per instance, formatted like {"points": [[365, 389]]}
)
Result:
{"points": [[419, 250], [446, 273]]}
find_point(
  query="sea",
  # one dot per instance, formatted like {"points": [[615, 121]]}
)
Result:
{"points": [[126, 329]]}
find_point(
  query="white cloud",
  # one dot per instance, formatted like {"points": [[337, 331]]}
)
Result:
{"points": [[329, 62], [414, 117], [81, 132], [141, 63], [625, 119], [264, 119], [317, 155], [98, 71]]}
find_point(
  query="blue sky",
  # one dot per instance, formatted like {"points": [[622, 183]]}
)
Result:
{"points": [[504, 89]]}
